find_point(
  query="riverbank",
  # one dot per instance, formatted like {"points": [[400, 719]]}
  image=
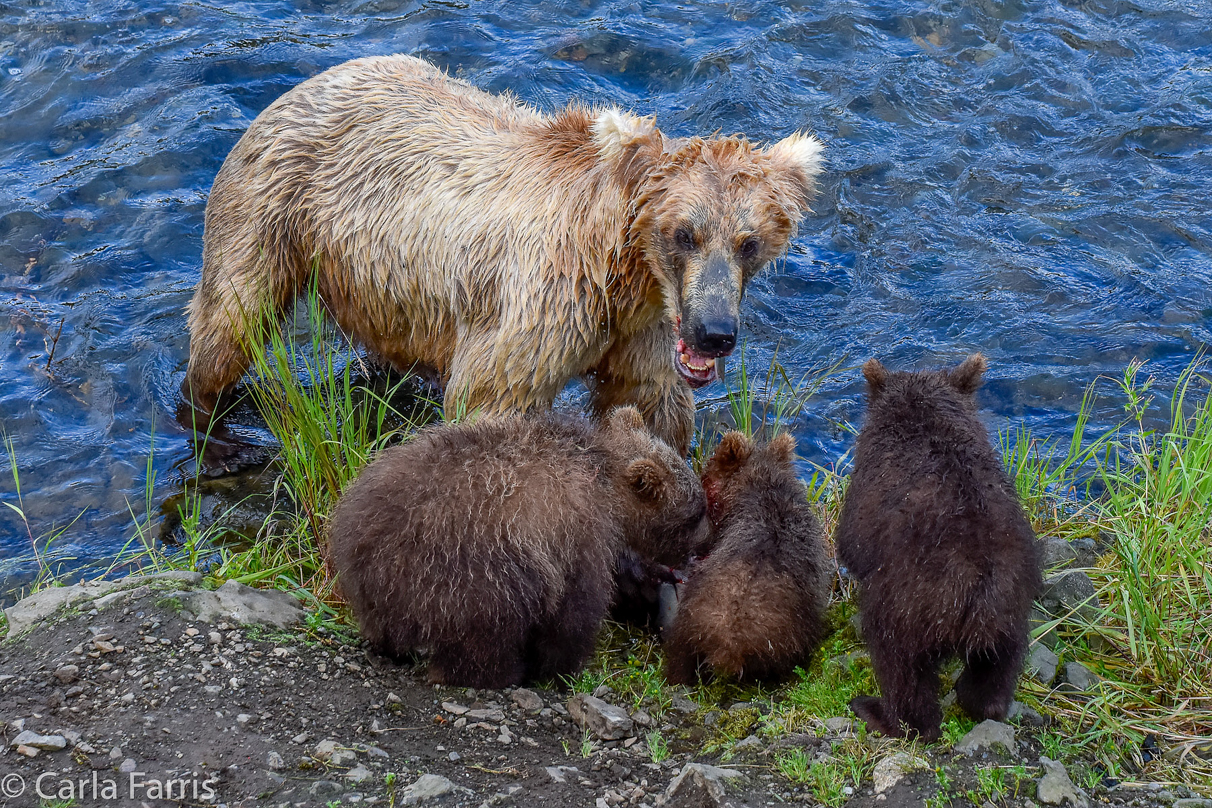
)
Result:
{"points": [[247, 699], [1119, 672]]}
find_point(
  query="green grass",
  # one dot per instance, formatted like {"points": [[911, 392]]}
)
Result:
{"points": [[1152, 641], [1144, 486]]}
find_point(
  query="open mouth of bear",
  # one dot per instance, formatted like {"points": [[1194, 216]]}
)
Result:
{"points": [[696, 369]]}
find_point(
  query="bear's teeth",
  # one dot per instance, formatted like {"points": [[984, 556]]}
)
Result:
{"points": [[686, 361]]}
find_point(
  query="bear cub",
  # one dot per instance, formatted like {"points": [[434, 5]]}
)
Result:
{"points": [[945, 558], [755, 607], [491, 546]]}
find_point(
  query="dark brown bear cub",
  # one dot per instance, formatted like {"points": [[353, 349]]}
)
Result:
{"points": [[945, 558], [755, 607], [491, 546]]}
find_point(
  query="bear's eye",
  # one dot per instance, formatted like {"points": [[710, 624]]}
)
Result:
{"points": [[748, 248], [684, 238]]}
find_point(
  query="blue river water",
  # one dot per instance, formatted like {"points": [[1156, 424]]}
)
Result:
{"points": [[1028, 178]]}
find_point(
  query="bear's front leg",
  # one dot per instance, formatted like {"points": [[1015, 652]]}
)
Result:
{"points": [[639, 372]]}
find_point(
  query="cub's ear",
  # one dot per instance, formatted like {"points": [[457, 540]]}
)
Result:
{"points": [[615, 131], [626, 419], [967, 377], [876, 375], [798, 157], [733, 452], [782, 448], [649, 480]]}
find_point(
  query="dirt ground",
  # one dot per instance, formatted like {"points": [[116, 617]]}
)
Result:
{"points": [[160, 710]]}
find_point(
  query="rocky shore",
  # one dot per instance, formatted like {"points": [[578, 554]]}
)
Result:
{"points": [[156, 691]]}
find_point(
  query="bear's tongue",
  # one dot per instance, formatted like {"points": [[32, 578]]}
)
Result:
{"points": [[695, 368]]}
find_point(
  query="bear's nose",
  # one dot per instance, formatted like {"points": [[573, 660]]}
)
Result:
{"points": [[716, 336]]}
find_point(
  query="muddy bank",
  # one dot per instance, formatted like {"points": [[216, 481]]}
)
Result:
{"points": [[165, 693]]}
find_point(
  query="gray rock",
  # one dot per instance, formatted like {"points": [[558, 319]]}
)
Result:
{"points": [[1193, 802], [559, 774], [1079, 679], [1055, 552], [428, 787], [641, 718], [1055, 787], [492, 716], [47, 743], [66, 674], [604, 720], [1042, 663], [325, 789], [698, 786], [1035, 621], [892, 769], [127, 766], [358, 774], [28, 612], [1024, 714], [235, 602], [683, 704], [275, 761], [1071, 591], [986, 735], [839, 725], [750, 743], [527, 700]]}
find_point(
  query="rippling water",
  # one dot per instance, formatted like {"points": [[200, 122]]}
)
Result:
{"points": [[1031, 179]]}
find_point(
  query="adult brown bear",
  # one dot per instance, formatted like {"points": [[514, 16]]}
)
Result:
{"points": [[505, 250]]}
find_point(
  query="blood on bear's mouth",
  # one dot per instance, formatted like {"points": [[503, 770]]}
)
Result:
{"points": [[696, 369]]}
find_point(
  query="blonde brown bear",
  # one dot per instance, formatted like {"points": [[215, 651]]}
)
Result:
{"points": [[504, 250]]}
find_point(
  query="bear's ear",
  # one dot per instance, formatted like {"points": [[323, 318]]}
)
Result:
{"points": [[626, 419], [782, 448], [798, 156], [614, 131], [649, 480], [876, 375], [967, 377], [733, 452]]}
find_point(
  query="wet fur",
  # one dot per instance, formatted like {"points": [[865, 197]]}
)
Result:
{"points": [[755, 607], [491, 546], [934, 532], [502, 250]]}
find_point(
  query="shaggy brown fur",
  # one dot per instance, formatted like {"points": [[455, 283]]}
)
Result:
{"points": [[755, 607], [491, 545], [504, 250], [933, 531]]}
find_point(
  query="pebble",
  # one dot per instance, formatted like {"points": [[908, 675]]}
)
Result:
{"points": [[892, 769], [275, 761], [358, 774], [47, 743], [127, 766], [1055, 787], [986, 735], [839, 725], [1042, 663], [606, 721], [1078, 678], [325, 789], [66, 674], [527, 700]]}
